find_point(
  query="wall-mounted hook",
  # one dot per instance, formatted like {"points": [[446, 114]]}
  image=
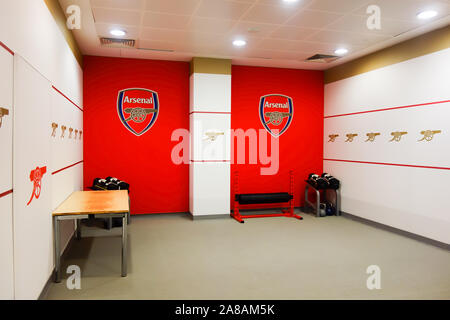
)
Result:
{"points": [[371, 136], [350, 137], [332, 137], [54, 127], [70, 132], [3, 112], [428, 135], [397, 135], [81, 132], [76, 133], [63, 130], [212, 136]]}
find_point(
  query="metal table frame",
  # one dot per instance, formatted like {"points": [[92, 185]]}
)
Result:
{"points": [[78, 217], [316, 206]]}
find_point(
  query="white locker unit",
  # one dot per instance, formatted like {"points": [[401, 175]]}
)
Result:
{"points": [[210, 123], [33, 254], [6, 167]]}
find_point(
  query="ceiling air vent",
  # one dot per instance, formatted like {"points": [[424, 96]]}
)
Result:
{"points": [[117, 43], [322, 58]]}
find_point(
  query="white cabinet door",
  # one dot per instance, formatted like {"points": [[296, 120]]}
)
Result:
{"points": [[6, 225], [33, 254]]}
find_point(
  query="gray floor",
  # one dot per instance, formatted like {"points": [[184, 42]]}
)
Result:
{"points": [[173, 257]]}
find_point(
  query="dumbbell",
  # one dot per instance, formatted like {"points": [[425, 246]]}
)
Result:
{"points": [[317, 181], [332, 181]]}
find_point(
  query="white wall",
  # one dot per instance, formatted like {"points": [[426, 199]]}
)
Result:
{"points": [[42, 59], [6, 234], [411, 197]]}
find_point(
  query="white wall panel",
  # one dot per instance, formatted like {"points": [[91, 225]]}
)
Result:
{"points": [[28, 28], [210, 92], [405, 197], [33, 254], [211, 188], [202, 127], [6, 225], [420, 80]]}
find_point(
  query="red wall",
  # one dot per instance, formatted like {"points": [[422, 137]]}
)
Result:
{"points": [[157, 185], [301, 146]]}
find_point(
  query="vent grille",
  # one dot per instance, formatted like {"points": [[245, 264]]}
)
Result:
{"points": [[158, 50], [117, 43], [322, 58]]}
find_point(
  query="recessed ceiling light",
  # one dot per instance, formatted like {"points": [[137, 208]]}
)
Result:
{"points": [[341, 51], [239, 43], [290, 1], [427, 14], [117, 32]]}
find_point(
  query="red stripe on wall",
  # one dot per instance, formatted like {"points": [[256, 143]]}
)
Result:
{"points": [[387, 109], [389, 164], [66, 97], [6, 193], [62, 169], [4, 46], [211, 112]]}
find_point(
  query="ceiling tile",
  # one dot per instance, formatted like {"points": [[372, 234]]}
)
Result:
{"points": [[119, 4], [117, 16], [183, 7], [339, 6], [289, 5], [317, 47], [408, 9], [211, 25], [222, 9], [253, 29], [158, 45], [358, 24], [313, 19], [268, 14], [276, 44], [292, 33], [162, 20], [342, 38]]}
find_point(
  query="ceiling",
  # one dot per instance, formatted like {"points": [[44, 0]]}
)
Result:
{"points": [[278, 34]]}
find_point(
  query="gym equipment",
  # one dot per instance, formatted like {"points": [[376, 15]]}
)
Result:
{"points": [[333, 183], [260, 198], [317, 181], [317, 205]]}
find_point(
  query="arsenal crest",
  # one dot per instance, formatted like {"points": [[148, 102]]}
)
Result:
{"points": [[138, 109], [276, 112]]}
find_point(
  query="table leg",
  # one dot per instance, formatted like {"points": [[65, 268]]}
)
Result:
{"points": [[78, 222], [124, 244], [57, 249]]}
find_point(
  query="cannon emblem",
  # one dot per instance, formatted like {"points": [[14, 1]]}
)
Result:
{"points": [[36, 178], [332, 137], [428, 135], [397, 135], [371, 136], [350, 137]]}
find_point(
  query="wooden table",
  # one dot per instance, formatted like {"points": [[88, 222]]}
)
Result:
{"points": [[79, 205]]}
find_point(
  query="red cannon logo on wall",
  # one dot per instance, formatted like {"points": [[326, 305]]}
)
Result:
{"points": [[276, 112], [137, 109], [36, 178]]}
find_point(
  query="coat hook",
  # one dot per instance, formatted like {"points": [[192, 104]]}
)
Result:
{"points": [[332, 137], [76, 133], [397, 135], [70, 132], [371, 136], [63, 129], [54, 127], [428, 135], [350, 137], [3, 112], [81, 132]]}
